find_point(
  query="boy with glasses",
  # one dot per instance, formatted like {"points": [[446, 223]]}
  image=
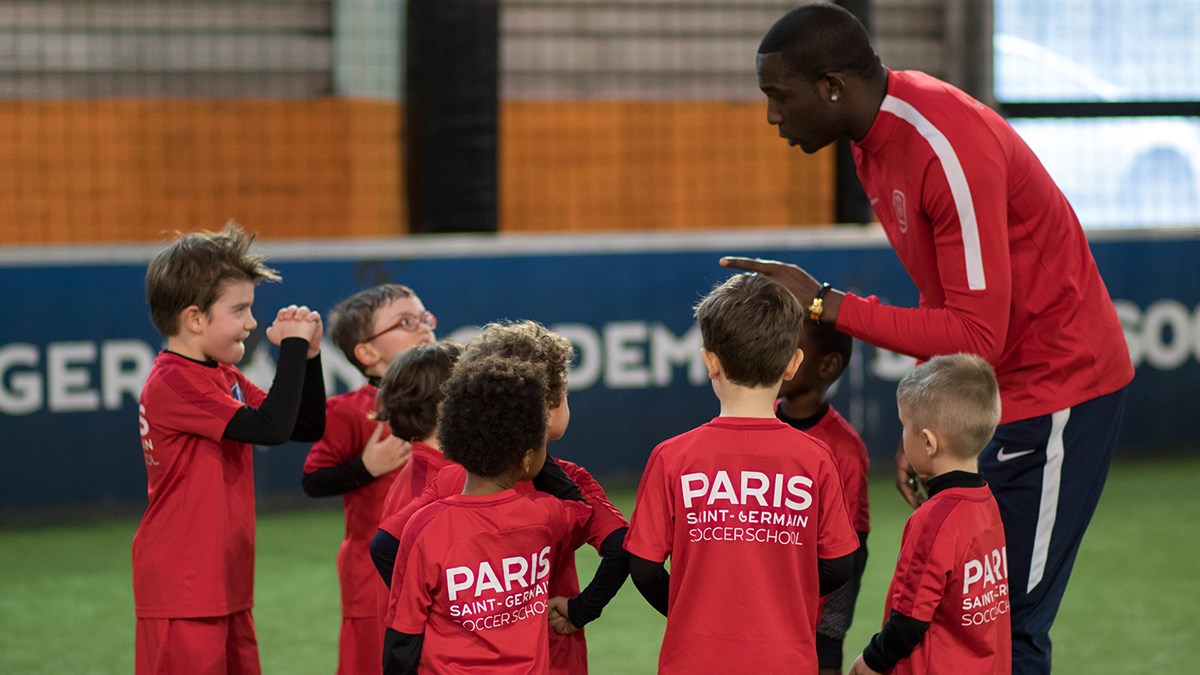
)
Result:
{"points": [[358, 457]]}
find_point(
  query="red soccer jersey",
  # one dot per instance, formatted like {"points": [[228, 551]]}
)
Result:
{"points": [[999, 258], [411, 480], [744, 507], [853, 463], [348, 427], [568, 653], [473, 577], [953, 574], [193, 553]]}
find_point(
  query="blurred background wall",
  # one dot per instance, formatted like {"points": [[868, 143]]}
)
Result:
{"points": [[120, 119]]}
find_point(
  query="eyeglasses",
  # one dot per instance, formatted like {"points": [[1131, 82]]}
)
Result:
{"points": [[409, 323]]}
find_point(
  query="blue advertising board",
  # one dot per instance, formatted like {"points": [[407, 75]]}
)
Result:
{"points": [[77, 342]]}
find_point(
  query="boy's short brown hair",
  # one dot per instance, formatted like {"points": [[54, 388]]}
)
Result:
{"points": [[752, 325], [193, 270], [494, 411], [528, 341], [351, 320], [411, 390], [955, 396]]}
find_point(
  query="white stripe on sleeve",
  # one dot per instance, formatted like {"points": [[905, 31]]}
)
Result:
{"points": [[959, 189]]}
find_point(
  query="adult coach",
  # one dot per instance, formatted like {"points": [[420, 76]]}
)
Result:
{"points": [[1003, 270]]}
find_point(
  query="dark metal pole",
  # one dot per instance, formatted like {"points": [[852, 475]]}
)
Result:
{"points": [[451, 115]]}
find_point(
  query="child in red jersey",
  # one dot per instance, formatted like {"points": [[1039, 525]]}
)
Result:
{"points": [[571, 609], [948, 606], [749, 510], [193, 554], [802, 404], [357, 457], [408, 400], [471, 591]]}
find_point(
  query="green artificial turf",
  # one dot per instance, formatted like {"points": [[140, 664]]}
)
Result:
{"points": [[1133, 604]]}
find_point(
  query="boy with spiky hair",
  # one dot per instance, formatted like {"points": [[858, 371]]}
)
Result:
{"points": [[471, 588], [193, 553], [948, 606], [357, 458], [570, 608], [749, 510]]}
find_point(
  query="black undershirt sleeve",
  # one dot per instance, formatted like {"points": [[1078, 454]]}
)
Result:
{"points": [[829, 652], [401, 652], [833, 573], [829, 645], [310, 420], [899, 636], [555, 482], [274, 421], [384, 549], [610, 576], [337, 480], [652, 581]]}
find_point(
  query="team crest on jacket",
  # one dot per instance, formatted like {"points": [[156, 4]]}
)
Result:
{"points": [[900, 207], [236, 392]]}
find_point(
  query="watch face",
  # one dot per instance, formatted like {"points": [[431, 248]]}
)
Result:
{"points": [[817, 307]]}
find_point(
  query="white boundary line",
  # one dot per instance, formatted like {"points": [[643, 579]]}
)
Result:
{"points": [[417, 247]]}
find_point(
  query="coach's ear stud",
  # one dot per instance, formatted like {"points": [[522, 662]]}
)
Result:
{"points": [[834, 97]]}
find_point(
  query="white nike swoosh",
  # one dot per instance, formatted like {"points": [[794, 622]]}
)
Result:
{"points": [[874, 201], [1004, 456]]}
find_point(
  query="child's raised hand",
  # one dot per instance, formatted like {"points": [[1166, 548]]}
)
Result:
{"points": [[384, 452], [293, 321], [318, 328]]}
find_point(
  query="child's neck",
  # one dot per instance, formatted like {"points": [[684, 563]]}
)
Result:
{"points": [[477, 485], [740, 401], [182, 346], [432, 441], [802, 405], [944, 465]]}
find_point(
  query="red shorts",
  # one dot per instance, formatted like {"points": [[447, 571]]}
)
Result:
{"points": [[360, 647], [217, 645]]}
